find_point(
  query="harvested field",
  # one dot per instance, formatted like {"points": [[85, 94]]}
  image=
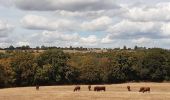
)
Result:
{"points": [[159, 91]]}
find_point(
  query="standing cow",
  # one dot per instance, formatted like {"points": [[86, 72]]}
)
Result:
{"points": [[128, 88], [89, 87], [100, 88], [37, 87], [77, 88]]}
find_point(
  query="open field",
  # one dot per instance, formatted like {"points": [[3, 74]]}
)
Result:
{"points": [[2, 51], [159, 91]]}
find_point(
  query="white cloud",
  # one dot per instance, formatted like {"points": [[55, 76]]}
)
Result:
{"points": [[137, 29], [36, 22], [21, 43], [54, 37], [130, 29], [60, 36], [49, 38], [82, 15], [142, 40], [90, 40], [165, 29], [107, 40], [4, 44], [91, 14], [97, 24], [5, 28], [158, 12]]}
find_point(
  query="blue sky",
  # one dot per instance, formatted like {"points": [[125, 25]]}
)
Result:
{"points": [[87, 23]]}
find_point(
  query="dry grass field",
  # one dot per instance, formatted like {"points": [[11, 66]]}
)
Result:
{"points": [[2, 51], [159, 91]]}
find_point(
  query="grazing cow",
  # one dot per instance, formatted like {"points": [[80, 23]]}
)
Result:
{"points": [[128, 87], [37, 87], [144, 89], [100, 88], [89, 87], [77, 88]]}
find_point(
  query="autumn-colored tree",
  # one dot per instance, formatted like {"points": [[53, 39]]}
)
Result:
{"points": [[23, 65]]}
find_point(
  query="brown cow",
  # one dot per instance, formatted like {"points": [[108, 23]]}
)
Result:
{"points": [[100, 88], [144, 89], [77, 88], [89, 87], [37, 87], [128, 87]]}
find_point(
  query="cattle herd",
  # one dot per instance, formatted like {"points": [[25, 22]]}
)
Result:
{"points": [[96, 88], [103, 88]]}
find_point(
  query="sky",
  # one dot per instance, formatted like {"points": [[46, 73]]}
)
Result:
{"points": [[87, 23]]}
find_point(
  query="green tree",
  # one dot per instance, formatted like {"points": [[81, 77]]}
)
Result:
{"points": [[90, 71], [43, 75], [11, 47], [122, 68], [154, 65], [58, 60], [124, 48], [23, 65], [6, 73]]}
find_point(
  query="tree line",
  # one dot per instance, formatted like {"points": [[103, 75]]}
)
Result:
{"points": [[53, 67], [27, 47]]}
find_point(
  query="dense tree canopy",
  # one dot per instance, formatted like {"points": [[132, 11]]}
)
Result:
{"points": [[53, 67]]}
